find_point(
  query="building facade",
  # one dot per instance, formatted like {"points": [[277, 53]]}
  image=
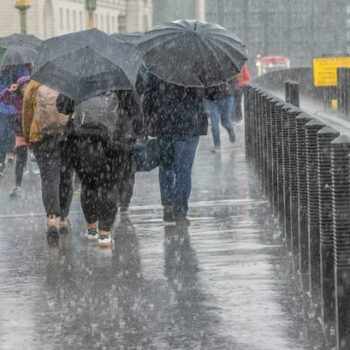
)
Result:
{"points": [[298, 29], [48, 18], [170, 10]]}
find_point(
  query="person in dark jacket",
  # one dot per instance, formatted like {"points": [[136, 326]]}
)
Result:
{"points": [[219, 103], [177, 117], [101, 133]]}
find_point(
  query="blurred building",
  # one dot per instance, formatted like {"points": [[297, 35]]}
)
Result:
{"points": [[170, 10], [47, 18], [298, 29]]}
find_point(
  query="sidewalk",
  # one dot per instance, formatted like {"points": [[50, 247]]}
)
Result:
{"points": [[222, 285]]}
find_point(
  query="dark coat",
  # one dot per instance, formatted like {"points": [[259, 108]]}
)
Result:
{"points": [[172, 110]]}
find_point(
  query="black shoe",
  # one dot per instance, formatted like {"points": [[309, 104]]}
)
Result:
{"points": [[232, 136], [168, 214]]}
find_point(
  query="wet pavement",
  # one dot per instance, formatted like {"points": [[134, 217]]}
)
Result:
{"points": [[222, 284]]}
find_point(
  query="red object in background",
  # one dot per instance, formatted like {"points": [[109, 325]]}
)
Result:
{"points": [[244, 76]]}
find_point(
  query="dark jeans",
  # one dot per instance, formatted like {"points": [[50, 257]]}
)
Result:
{"points": [[126, 179], [7, 138], [220, 110], [21, 161], [56, 176], [175, 171], [100, 203]]}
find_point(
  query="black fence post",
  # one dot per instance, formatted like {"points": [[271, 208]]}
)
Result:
{"points": [[324, 138], [341, 225], [293, 185], [292, 93], [313, 212], [303, 246]]}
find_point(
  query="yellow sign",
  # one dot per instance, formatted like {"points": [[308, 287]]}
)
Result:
{"points": [[22, 3], [325, 69]]}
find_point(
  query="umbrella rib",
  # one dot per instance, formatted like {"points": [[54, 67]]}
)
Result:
{"points": [[228, 55]]}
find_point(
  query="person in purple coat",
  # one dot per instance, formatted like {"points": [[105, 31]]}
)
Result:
{"points": [[13, 96]]}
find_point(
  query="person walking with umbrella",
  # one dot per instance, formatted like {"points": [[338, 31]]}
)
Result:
{"points": [[43, 128], [98, 73], [184, 59]]}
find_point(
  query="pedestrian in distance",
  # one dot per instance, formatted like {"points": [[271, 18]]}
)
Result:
{"points": [[101, 133], [14, 96], [176, 116], [219, 104], [43, 130], [8, 76]]}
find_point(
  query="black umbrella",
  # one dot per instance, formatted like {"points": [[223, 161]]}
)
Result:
{"points": [[16, 55], [85, 64], [133, 37], [22, 40], [193, 53]]}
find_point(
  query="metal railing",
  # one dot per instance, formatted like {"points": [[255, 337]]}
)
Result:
{"points": [[303, 166]]}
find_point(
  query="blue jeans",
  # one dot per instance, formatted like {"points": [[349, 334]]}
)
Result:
{"points": [[220, 109], [175, 172]]}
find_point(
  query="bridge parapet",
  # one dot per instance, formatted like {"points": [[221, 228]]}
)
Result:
{"points": [[303, 166]]}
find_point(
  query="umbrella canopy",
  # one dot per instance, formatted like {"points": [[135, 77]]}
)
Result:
{"points": [[85, 64], [193, 53], [2, 54], [22, 40], [134, 37], [16, 55]]}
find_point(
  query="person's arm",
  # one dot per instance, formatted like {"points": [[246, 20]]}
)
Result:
{"points": [[28, 108]]}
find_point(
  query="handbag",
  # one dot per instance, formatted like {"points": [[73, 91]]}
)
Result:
{"points": [[145, 155]]}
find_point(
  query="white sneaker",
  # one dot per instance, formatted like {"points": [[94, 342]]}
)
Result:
{"points": [[105, 241], [91, 235]]}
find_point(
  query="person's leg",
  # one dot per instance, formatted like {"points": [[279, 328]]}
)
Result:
{"points": [[126, 181], [185, 152], [21, 161], [2, 143], [167, 177], [89, 204], [49, 163], [226, 109], [108, 209], [212, 109]]}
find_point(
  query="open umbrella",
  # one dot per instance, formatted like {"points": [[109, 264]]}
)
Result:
{"points": [[85, 64], [16, 55], [2, 54], [193, 53], [133, 37], [22, 40]]}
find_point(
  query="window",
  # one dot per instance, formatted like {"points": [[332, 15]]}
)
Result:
{"points": [[74, 21], [96, 21], [113, 24], [68, 20], [81, 21], [121, 24], [61, 19], [108, 24], [102, 24]]}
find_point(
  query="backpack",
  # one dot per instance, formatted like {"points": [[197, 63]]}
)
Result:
{"points": [[46, 115]]}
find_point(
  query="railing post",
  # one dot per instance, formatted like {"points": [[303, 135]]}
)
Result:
{"points": [[324, 138], [341, 226], [313, 212], [292, 93], [303, 246], [279, 162], [293, 185]]}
